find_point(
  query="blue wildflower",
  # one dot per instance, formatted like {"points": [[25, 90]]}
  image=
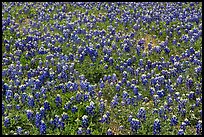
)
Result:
{"points": [[79, 131], [181, 132], [6, 122], [174, 121], [43, 127], [64, 116], [101, 106], [67, 105], [47, 105], [85, 121], [58, 100], [135, 124], [88, 131], [42, 111], [38, 119], [90, 109], [105, 119], [19, 130], [18, 107], [109, 132], [29, 114], [156, 127], [31, 101], [199, 128], [141, 114], [183, 126], [74, 109]]}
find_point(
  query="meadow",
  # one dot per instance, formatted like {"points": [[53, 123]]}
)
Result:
{"points": [[102, 68]]}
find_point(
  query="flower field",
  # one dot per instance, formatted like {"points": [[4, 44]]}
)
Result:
{"points": [[102, 68]]}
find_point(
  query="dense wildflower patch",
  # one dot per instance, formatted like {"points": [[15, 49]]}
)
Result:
{"points": [[110, 68]]}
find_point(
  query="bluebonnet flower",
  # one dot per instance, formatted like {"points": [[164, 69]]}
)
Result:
{"points": [[141, 114], [189, 82], [60, 124], [56, 121], [191, 95], [152, 91], [78, 96], [156, 100], [109, 132], [67, 105], [174, 121], [187, 121], [47, 105], [130, 117], [18, 107], [135, 91], [167, 50], [117, 87], [86, 96], [183, 126], [16, 97], [105, 119], [42, 111], [114, 102], [181, 132], [157, 87], [79, 131], [135, 125], [125, 74], [90, 109], [37, 95], [6, 122], [30, 114], [74, 109], [19, 130], [144, 82], [101, 106], [141, 62], [160, 93], [176, 95], [169, 101], [88, 131], [125, 95], [43, 90], [58, 100], [139, 96], [31, 101], [198, 101], [38, 118], [156, 127], [64, 116], [9, 95], [85, 121], [193, 106], [102, 85], [124, 80], [199, 128], [100, 93], [42, 127], [183, 112], [179, 79]]}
